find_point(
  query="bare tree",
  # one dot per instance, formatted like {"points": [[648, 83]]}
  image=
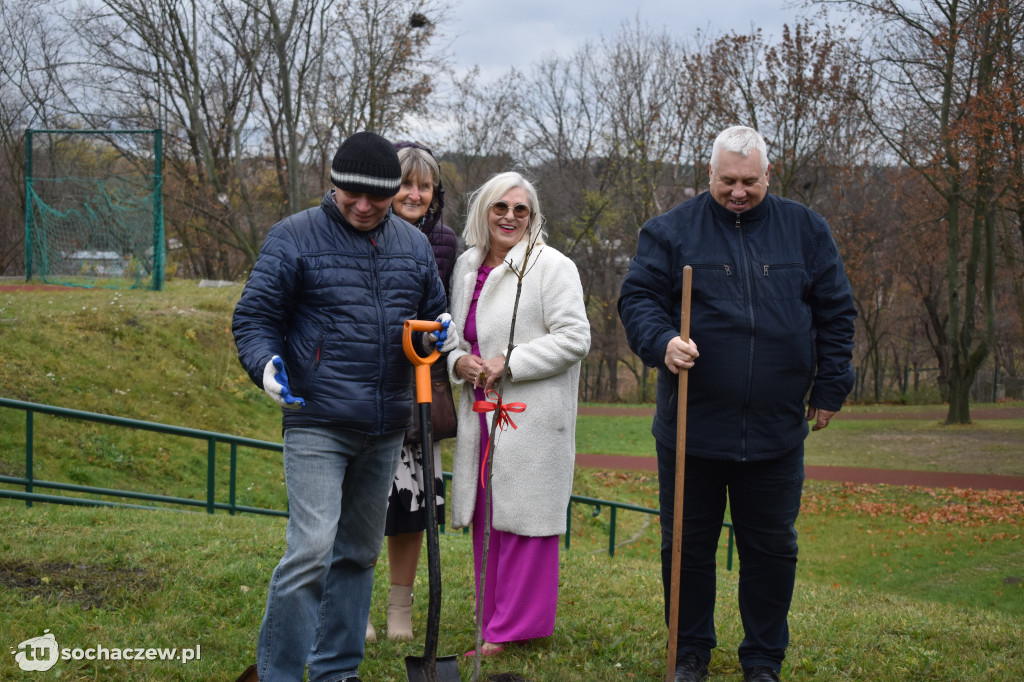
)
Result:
{"points": [[169, 64], [381, 67], [35, 89], [249, 100], [800, 94], [807, 99], [941, 64], [562, 120], [281, 45], [639, 83], [483, 135], [1011, 217]]}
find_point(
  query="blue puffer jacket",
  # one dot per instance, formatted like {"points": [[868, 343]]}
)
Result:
{"points": [[771, 313], [332, 302]]}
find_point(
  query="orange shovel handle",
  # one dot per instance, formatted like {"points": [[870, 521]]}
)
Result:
{"points": [[421, 364]]}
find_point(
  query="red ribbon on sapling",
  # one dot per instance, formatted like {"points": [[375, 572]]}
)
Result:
{"points": [[504, 420]]}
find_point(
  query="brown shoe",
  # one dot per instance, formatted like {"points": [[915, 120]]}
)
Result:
{"points": [[249, 675]]}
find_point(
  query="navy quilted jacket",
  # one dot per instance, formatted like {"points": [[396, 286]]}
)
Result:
{"points": [[771, 313], [332, 301]]}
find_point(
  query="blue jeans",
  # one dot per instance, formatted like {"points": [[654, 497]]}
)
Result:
{"points": [[319, 599], [764, 501]]}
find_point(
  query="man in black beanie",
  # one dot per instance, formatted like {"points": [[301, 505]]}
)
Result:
{"points": [[327, 301]]}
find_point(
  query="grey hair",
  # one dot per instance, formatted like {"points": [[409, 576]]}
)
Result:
{"points": [[476, 232], [739, 140], [417, 162]]}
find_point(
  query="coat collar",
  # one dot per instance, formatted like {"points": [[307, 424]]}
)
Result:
{"points": [[759, 212]]}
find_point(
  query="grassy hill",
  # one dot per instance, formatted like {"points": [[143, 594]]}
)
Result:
{"points": [[166, 357], [895, 584]]}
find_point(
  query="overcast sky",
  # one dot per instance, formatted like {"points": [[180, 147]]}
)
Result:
{"points": [[498, 35]]}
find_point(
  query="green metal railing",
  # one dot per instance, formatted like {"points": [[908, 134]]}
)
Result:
{"points": [[614, 507], [212, 439]]}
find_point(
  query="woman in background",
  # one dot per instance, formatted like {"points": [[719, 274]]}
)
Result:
{"points": [[420, 201]]}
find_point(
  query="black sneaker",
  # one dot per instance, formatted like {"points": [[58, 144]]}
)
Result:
{"points": [[691, 669], [761, 673]]}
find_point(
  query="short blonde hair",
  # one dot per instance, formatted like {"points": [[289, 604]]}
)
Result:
{"points": [[476, 232]]}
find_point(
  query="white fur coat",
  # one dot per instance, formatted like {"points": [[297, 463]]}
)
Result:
{"points": [[533, 463]]}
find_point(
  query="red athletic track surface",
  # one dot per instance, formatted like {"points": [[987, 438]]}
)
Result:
{"points": [[925, 479], [34, 287]]}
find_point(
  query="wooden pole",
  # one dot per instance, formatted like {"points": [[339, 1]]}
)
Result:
{"points": [[677, 506]]}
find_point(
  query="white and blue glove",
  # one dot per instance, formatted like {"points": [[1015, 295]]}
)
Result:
{"points": [[445, 339], [275, 383]]}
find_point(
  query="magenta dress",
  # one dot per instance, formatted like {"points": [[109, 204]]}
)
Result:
{"points": [[521, 589]]}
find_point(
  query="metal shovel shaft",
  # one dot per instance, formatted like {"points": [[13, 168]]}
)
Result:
{"points": [[428, 668]]}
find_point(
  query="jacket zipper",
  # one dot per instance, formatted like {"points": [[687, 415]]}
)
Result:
{"points": [[779, 266], [749, 286], [708, 266], [319, 349], [382, 332]]}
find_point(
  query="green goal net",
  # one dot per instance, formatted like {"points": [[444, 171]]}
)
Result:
{"points": [[93, 212]]}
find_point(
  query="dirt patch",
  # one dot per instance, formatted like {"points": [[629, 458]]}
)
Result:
{"points": [[89, 585]]}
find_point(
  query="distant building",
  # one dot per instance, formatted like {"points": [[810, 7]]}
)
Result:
{"points": [[94, 264]]}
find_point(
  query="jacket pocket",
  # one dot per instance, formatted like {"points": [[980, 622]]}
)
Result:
{"points": [[783, 281], [715, 281], [312, 362]]}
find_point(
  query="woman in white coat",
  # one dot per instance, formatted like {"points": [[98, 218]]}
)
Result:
{"points": [[533, 463]]}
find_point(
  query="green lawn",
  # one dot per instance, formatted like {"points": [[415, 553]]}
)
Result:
{"points": [[894, 584], [880, 596], [988, 446]]}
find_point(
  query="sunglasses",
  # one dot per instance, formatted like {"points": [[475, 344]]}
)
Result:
{"points": [[500, 208]]}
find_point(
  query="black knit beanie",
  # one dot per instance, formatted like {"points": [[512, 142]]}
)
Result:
{"points": [[366, 163]]}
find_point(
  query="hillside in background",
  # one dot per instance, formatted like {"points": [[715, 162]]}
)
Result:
{"points": [[165, 357]]}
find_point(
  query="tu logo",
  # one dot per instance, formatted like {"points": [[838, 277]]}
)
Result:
{"points": [[37, 654]]}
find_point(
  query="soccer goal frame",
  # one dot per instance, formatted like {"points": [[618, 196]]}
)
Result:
{"points": [[104, 226]]}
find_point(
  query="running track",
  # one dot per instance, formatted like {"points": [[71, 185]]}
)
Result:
{"points": [[926, 479]]}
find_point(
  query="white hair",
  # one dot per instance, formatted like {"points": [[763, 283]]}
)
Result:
{"points": [[476, 232], [739, 140]]}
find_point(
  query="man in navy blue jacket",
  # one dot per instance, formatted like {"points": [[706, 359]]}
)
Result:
{"points": [[319, 327], [774, 317]]}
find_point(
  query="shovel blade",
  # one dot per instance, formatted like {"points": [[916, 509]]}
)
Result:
{"points": [[441, 669]]}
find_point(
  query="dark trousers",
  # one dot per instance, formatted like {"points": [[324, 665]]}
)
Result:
{"points": [[764, 500]]}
